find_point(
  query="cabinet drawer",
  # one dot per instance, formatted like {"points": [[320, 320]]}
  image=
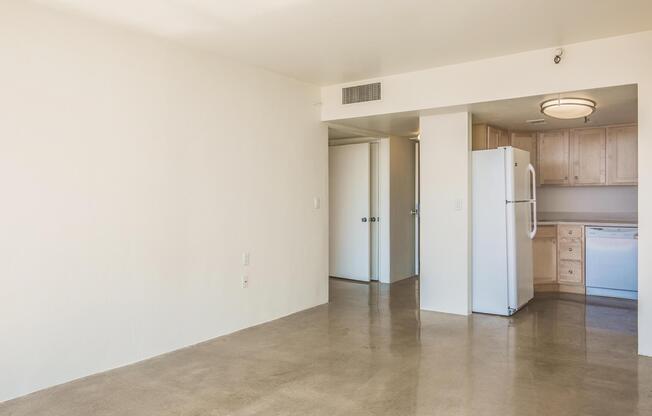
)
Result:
{"points": [[545, 231], [570, 250], [570, 272], [570, 231]]}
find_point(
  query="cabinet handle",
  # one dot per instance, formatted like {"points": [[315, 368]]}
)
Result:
{"points": [[577, 177], [570, 232], [570, 272], [570, 249]]}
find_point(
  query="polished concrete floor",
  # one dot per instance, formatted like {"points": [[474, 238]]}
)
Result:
{"points": [[372, 352]]}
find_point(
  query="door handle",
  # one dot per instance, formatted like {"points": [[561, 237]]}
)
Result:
{"points": [[364, 219], [414, 212], [533, 203]]}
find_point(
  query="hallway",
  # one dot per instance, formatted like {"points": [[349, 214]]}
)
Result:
{"points": [[372, 352]]}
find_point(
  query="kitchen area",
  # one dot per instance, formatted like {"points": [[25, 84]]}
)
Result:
{"points": [[583, 149]]}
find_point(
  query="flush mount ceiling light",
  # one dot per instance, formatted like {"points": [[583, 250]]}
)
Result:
{"points": [[568, 108]]}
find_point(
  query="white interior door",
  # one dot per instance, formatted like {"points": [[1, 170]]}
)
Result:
{"points": [[403, 210], [375, 210], [349, 225]]}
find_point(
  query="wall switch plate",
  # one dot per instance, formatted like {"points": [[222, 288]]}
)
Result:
{"points": [[459, 203], [245, 258], [245, 281], [316, 202]]}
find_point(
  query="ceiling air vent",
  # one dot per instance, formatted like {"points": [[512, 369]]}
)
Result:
{"points": [[361, 93], [536, 121]]}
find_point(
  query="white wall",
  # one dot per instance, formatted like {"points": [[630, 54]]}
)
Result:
{"points": [[601, 63], [595, 199], [445, 274], [402, 177], [133, 174]]}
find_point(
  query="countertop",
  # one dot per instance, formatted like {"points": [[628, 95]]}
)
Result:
{"points": [[607, 219]]}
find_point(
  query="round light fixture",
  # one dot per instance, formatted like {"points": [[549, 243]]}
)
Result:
{"points": [[568, 108]]}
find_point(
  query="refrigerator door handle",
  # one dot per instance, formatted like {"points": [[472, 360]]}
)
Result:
{"points": [[533, 207]]}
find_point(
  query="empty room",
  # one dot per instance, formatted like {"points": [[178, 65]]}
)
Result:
{"points": [[309, 207]]}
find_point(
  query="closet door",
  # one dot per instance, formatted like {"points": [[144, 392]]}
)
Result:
{"points": [[349, 209]]}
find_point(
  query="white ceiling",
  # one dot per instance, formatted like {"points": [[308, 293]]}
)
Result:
{"points": [[337, 133], [614, 105], [332, 41]]}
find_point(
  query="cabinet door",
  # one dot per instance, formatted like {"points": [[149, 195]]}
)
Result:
{"points": [[528, 142], [588, 161], [544, 249], [622, 155], [493, 137], [504, 138], [570, 272], [554, 161], [479, 139]]}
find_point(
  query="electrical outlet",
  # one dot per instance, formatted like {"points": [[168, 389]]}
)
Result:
{"points": [[245, 281], [245, 258], [316, 202]]}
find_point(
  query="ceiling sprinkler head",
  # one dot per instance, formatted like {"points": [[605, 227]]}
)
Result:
{"points": [[558, 54]]}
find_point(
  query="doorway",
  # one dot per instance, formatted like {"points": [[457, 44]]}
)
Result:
{"points": [[373, 209]]}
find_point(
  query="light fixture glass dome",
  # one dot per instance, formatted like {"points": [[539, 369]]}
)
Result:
{"points": [[568, 108]]}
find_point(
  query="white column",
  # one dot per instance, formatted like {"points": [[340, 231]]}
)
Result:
{"points": [[445, 213]]}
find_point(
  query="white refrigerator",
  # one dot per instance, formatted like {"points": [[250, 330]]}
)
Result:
{"points": [[504, 224]]}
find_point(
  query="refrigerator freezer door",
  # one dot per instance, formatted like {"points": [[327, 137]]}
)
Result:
{"points": [[519, 255], [519, 176]]}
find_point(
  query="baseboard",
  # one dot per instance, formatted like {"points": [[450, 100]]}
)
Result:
{"points": [[559, 288]]}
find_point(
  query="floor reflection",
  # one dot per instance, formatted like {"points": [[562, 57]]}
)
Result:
{"points": [[562, 354]]}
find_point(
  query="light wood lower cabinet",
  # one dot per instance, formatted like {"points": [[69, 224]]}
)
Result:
{"points": [[544, 249], [558, 255], [571, 258]]}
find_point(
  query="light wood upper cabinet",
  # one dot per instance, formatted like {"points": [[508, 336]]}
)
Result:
{"points": [[588, 164], [503, 140], [594, 156], [544, 247], [488, 137], [554, 157], [622, 155], [493, 137], [479, 139], [528, 142]]}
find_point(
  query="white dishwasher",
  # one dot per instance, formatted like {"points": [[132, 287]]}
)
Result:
{"points": [[612, 262]]}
